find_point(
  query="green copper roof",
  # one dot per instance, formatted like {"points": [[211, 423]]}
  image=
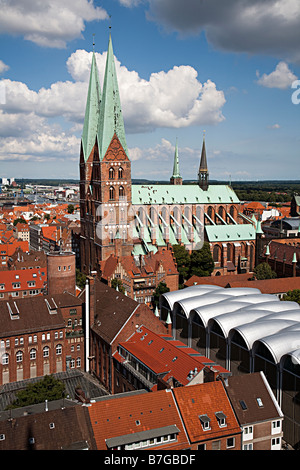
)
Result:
{"points": [[230, 233], [91, 118], [182, 194], [176, 172], [111, 118]]}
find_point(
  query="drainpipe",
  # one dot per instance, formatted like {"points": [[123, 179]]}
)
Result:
{"points": [[87, 325]]}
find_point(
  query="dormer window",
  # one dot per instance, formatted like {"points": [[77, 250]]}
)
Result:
{"points": [[205, 422], [221, 418]]}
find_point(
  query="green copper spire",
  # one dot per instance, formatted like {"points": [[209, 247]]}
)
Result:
{"points": [[91, 118], [203, 171], [176, 172], [111, 118]]}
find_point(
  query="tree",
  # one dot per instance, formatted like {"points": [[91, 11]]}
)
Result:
{"points": [[19, 220], [160, 289], [183, 262], [48, 388], [202, 263], [80, 279], [264, 271], [292, 296], [70, 209], [117, 282]]}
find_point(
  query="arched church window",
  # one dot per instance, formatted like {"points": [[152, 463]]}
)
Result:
{"points": [[216, 253], [121, 191], [120, 173], [111, 193], [111, 173]]}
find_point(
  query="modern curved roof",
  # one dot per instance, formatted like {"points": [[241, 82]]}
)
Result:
{"points": [[255, 316], [256, 330], [281, 343], [235, 319], [294, 355], [192, 291], [207, 299]]}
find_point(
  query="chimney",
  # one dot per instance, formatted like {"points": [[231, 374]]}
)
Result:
{"points": [[210, 374]]}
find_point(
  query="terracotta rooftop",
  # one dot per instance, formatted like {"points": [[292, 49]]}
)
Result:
{"points": [[163, 355], [205, 400], [129, 417], [218, 280], [22, 276], [271, 286]]}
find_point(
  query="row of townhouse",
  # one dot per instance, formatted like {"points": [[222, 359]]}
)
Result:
{"points": [[40, 335], [209, 416]]}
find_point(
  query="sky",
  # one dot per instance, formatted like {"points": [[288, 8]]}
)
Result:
{"points": [[227, 70]]}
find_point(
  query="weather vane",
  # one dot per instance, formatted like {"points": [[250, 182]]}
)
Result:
{"points": [[93, 41]]}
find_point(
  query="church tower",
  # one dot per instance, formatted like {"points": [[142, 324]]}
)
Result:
{"points": [[176, 177], [105, 171], [203, 171]]}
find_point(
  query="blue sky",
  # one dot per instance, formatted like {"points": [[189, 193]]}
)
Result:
{"points": [[183, 67]]}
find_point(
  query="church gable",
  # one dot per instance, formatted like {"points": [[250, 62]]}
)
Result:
{"points": [[115, 151]]}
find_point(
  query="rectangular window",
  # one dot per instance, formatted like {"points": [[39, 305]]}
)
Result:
{"points": [[230, 442]]}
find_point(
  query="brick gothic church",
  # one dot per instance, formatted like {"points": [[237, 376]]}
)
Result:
{"points": [[120, 219]]}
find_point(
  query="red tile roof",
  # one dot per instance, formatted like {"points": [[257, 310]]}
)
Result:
{"points": [[163, 355], [128, 414], [205, 399], [271, 286], [22, 276], [218, 280]]}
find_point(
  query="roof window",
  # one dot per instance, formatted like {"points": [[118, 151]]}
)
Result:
{"points": [[205, 422], [243, 405], [259, 402], [221, 417]]}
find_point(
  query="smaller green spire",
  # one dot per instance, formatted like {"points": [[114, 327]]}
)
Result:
{"points": [[176, 172]]}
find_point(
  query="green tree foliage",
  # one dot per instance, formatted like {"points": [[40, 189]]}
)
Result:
{"points": [[292, 295], [183, 262], [71, 209], [19, 220], [202, 263], [80, 279], [117, 282], [161, 289], [264, 271], [48, 388]]}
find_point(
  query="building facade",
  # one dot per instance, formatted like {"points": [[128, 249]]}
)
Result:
{"points": [[146, 218]]}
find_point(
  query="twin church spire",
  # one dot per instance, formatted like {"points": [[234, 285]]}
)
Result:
{"points": [[103, 114], [104, 119]]}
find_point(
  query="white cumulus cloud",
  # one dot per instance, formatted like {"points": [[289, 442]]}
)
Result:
{"points": [[169, 99], [48, 23], [282, 77]]}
